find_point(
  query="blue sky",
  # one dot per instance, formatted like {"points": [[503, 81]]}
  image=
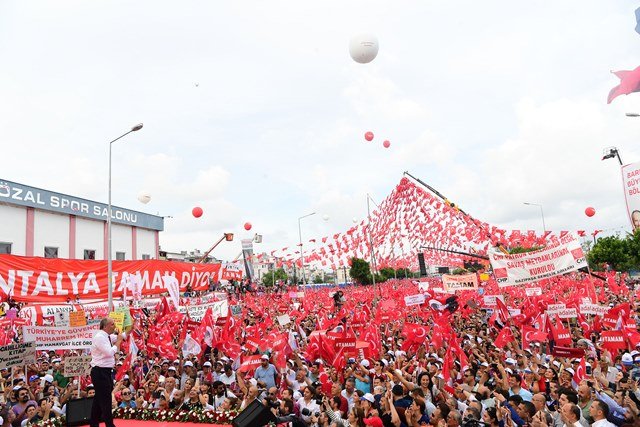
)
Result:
{"points": [[255, 112]]}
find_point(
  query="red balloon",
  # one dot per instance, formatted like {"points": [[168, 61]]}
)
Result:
{"points": [[590, 211], [197, 212], [386, 144], [247, 226], [368, 136]]}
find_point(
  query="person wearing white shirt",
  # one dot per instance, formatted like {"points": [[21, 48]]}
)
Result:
{"points": [[103, 351], [599, 411]]}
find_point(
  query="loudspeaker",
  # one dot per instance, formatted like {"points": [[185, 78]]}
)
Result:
{"points": [[79, 411], [423, 267], [254, 415]]}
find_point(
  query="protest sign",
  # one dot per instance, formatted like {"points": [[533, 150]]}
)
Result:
{"points": [[567, 313], [417, 299], [77, 318], [423, 286], [61, 319], [54, 338], [588, 308], [127, 320], [555, 308], [490, 300], [563, 255], [459, 282], [196, 312], [17, 355], [530, 292], [118, 318], [77, 366], [284, 320]]}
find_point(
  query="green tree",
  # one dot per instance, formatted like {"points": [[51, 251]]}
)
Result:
{"points": [[318, 279], [403, 273], [619, 254], [360, 271], [268, 278], [521, 249], [387, 273]]}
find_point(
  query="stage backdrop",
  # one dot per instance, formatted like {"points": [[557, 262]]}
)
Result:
{"points": [[33, 279]]}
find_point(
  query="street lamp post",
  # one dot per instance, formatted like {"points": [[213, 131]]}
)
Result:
{"points": [[544, 228], [109, 258], [301, 256]]}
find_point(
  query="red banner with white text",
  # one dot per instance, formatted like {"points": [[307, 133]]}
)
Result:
{"points": [[33, 279]]}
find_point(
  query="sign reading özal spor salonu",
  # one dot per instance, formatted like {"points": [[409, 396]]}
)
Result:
{"points": [[25, 195]]}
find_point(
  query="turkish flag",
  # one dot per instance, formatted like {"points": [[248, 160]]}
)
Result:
{"points": [[504, 337], [581, 372], [249, 363], [530, 335], [562, 335], [613, 340], [415, 333]]}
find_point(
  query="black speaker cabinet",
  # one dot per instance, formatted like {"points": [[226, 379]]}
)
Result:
{"points": [[254, 415], [79, 411], [423, 267]]}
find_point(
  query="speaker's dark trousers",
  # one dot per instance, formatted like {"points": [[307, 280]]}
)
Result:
{"points": [[103, 384]]}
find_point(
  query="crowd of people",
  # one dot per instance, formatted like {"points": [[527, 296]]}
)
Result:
{"points": [[463, 379]]}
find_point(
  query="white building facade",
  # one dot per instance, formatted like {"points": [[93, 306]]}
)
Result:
{"points": [[42, 223]]}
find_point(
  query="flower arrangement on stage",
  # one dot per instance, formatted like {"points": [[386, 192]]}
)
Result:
{"points": [[172, 415], [53, 422]]}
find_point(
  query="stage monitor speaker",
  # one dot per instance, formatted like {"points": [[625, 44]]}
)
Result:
{"points": [[423, 267], [254, 415], [79, 411]]}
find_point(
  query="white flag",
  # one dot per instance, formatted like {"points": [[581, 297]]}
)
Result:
{"points": [[190, 346], [171, 283]]}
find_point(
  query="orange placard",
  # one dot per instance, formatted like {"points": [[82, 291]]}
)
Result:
{"points": [[77, 318]]}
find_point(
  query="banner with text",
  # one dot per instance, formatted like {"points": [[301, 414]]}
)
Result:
{"points": [[17, 355], [77, 366], [53, 338], [631, 183], [30, 279], [563, 255], [462, 282], [196, 312]]}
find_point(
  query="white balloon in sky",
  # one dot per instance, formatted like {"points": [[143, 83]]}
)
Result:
{"points": [[325, 217], [144, 197], [363, 48], [354, 220]]}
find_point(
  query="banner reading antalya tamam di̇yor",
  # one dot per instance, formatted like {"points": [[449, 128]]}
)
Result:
{"points": [[563, 255], [32, 279]]}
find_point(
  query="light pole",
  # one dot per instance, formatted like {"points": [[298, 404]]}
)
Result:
{"points": [[301, 256], [544, 228], [109, 258], [611, 152]]}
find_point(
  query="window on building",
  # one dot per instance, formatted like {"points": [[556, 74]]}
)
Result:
{"points": [[89, 254], [146, 256], [50, 252], [5, 248], [120, 256]]}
